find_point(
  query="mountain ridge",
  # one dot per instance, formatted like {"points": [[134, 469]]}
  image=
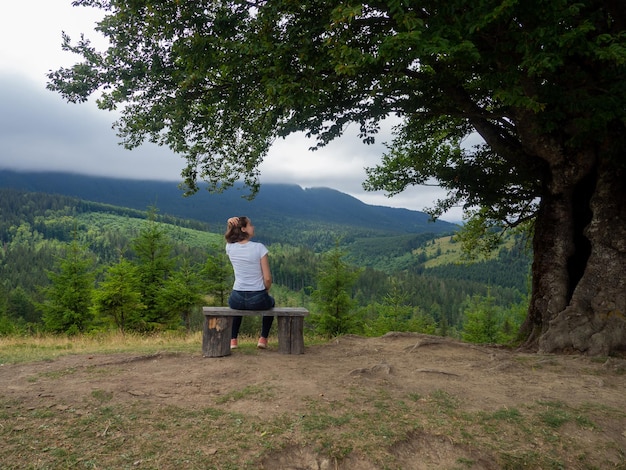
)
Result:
{"points": [[283, 202]]}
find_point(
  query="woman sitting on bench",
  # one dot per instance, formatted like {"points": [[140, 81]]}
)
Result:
{"points": [[253, 278]]}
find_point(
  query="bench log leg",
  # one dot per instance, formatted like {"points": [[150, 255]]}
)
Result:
{"points": [[216, 333], [290, 335]]}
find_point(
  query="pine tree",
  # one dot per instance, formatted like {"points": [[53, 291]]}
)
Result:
{"points": [[218, 274], [68, 297], [20, 308], [7, 325], [182, 293], [395, 313], [154, 262], [118, 297], [481, 320], [332, 296]]}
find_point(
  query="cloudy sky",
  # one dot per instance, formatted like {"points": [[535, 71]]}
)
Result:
{"points": [[40, 131]]}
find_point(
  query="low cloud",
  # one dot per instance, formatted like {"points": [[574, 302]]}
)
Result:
{"points": [[39, 131]]}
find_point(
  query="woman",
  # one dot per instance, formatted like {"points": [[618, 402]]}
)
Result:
{"points": [[253, 278]]}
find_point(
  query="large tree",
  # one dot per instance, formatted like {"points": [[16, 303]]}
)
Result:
{"points": [[542, 83]]}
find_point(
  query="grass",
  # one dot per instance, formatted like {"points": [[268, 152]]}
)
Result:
{"points": [[46, 347], [16, 349], [249, 391], [367, 422]]}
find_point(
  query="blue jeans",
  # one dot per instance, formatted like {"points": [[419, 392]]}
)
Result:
{"points": [[251, 300]]}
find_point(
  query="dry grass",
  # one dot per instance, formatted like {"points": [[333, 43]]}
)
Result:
{"points": [[47, 347]]}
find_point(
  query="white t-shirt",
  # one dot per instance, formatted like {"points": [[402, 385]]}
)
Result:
{"points": [[246, 261]]}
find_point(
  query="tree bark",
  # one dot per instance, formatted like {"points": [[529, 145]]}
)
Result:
{"points": [[552, 245], [578, 300]]}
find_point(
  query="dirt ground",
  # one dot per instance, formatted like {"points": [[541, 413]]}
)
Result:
{"points": [[480, 378]]}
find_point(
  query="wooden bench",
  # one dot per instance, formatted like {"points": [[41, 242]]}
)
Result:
{"points": [[218, 323]]}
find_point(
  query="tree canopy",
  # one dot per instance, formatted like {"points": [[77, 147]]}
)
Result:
{"points": [[542, 83]]}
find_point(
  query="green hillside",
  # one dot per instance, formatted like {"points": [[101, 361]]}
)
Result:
{"points": [[105, 222], [36, 230], [274, 208]]}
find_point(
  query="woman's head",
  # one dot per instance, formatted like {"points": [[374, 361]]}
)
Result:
{"points": [[239, 229]]}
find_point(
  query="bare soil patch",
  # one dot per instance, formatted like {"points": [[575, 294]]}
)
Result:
{"points": [[404, 401]]}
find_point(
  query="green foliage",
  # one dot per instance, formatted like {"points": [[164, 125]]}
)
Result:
{"points": [[180, 77], [513, 317], [381, 319], [218, 274], [7, 326], [479, 236], [414, 298], [66, 309], [482, 237], [495, 59], [182, 293], [481, 321], [485, 322], [154, 262], [294, 267], [508, 268], [441, 297], [118, 297], [395, 313], [334, 304], [20, 307], [389, 253]]}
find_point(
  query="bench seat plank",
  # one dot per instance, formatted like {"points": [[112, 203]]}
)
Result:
{"points": [[276, 311]]}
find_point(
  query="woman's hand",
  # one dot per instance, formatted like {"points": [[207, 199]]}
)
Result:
{"points": [[234, 221]]}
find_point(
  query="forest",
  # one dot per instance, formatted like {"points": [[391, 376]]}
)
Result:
{"points": [[71, 266]]}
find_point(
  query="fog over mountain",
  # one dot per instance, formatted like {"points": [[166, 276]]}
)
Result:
{"points": [[273, 202]]}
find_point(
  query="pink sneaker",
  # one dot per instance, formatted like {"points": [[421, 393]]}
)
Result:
{"points": [[233, 344], [262, 344]]}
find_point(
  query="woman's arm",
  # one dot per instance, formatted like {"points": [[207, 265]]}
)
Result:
{"points": [[267, 275]]}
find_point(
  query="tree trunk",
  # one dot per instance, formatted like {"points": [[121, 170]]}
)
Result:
{"points": [[578, 301]]}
